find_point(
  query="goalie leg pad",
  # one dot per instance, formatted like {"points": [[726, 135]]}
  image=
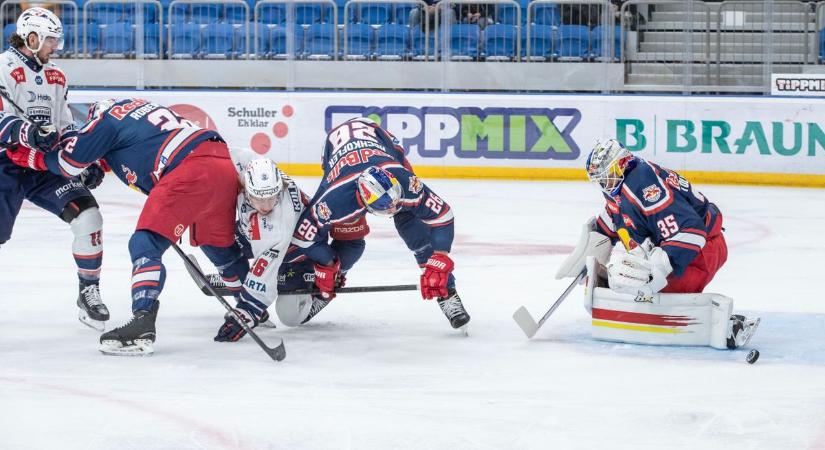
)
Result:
{"points": [[293, 310], [591, 243], [662, 319]]}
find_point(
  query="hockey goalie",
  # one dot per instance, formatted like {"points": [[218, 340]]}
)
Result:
{"points": [[649, 255]]}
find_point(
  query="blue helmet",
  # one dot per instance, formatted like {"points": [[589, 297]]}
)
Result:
{"points": [[380, 191]]}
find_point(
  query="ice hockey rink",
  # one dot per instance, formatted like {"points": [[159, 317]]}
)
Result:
{"points": [[385, 371]]}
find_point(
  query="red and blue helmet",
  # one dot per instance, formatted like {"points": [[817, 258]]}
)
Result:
{"points": [[380, 191]]}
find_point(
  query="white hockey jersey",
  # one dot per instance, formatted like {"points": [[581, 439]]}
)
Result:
{"points": [[40, 91], [268, 234]]}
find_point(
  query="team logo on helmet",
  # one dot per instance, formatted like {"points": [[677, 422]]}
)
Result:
{"points": [[323, 211], [652, 193]]}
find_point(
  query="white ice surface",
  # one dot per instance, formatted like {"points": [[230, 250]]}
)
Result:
{"points": [[385, 371]]}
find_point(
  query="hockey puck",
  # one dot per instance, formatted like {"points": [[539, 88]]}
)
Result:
{"points": [[753, 356]]}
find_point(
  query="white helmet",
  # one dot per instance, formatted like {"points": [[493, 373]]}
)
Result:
{"points": [[607, 164], [41, 22], [262, 184]]}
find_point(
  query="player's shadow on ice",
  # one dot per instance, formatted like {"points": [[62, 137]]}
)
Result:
{"points": [[785, 338]]}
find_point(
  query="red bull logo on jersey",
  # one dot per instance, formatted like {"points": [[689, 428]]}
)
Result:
{"points": [[652, 193], [494, 133], [131, 176], [323, 211], [415, 185]]}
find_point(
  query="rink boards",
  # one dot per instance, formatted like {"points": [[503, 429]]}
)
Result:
{"points": [[741, 140]]}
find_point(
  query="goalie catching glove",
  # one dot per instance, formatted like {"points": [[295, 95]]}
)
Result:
{"points": [[637, 271], [436, 274]]}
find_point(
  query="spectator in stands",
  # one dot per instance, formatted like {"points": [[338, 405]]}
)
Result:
{"points": [[476, 13], [631, 14], [430, 10]]}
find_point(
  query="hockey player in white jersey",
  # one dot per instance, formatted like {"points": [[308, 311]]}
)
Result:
{"points": [[267, 211], [29, 80]]}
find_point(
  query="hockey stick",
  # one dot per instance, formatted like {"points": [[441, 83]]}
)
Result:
{"points": [[526, 322], [277, 353], [344, 290]]}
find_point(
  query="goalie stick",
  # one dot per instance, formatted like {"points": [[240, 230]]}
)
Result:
{"points": [[277, 353], [344, 290], [526, 322]]}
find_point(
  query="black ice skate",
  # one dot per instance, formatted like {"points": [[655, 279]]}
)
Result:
{"points": [[92, 312], [454, 310], [318, 303], [135, 338], [741, 330]]}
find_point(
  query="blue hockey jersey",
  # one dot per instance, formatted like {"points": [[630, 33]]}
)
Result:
{"points": [[141, 141], [351, 148], [658, 203]]}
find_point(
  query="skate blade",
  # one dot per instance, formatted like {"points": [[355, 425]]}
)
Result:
{"points": [[89, 322], [465, 329], [267, 324], [141, 347], [751, 330]]}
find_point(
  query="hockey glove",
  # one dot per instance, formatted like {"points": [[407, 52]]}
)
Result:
{"points": [[436, 274], [328, 278], [92, 177], [26, 157], [231, 330], [38, 136], [634, 272]]}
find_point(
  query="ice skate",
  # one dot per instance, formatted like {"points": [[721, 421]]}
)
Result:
{"points": [[741, 330], [135, 338], [454, 310], [91, 310]]}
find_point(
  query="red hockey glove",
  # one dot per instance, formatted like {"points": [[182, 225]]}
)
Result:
{"points": [[327, 279], [436, 273], [26, 157]]}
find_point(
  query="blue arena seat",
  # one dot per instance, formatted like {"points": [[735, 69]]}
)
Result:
{"points": [[91, 34], [105, 13], [422, 47], [117, 40], [255, 29], [151, 40], [320, 43], [401, 13], [373, 13], [309, 13], [507, 14], [500, 42], [236, 13], [206, 13], [359, 41], [546, 14], [216, 40], [821, 45], [572, 43], [271, 13], [186, 40], [8, 30], [464, 42], [392, 42], [597, 41], [178, 13], [541, 43], [278, 42]]}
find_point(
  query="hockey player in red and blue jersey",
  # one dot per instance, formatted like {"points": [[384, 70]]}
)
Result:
{"points": [[190, 181], [659, 205], [365, 170]]}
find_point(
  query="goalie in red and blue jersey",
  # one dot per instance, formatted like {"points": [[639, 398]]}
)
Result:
{"points": [[190, 181], [365, 170], [660, 206]]}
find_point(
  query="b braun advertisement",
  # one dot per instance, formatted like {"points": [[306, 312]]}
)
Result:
{"points": [[717, 139]]}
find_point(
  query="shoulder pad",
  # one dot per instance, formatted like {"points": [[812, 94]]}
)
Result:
{"points": [[644, 189]]}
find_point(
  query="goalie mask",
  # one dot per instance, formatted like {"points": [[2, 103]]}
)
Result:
{"points": [[42, 23], [607, 164], [380, 191], [262, 184]]}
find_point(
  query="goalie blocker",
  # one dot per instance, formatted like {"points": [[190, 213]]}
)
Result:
{"points": [[701, 319]]}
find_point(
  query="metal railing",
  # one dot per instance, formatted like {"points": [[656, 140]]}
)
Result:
{"points": [[443, 32], [566, 14], [348, 14], [138, 23], [203, 25]]}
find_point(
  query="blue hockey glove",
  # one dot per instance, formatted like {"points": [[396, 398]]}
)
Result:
{"points": [[42, 136], [231, 330], [92, 177]]}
